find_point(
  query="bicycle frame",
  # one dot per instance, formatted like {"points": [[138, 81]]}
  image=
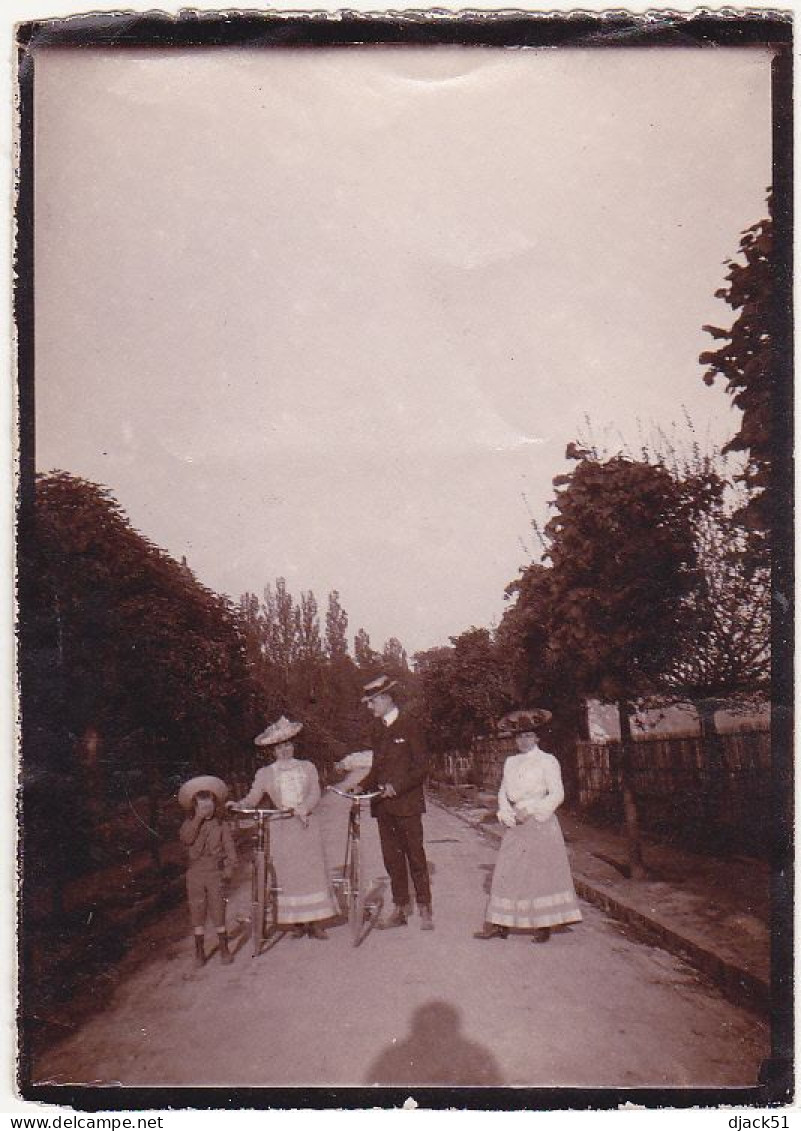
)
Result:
{"points": [[350, 884], [264, 894]]}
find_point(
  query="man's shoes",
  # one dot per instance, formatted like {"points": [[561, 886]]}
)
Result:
{"points": [[315, 931], [408, 909], [225, 955], [298, 931], [396, 918], [491, 931], [542, 934], [426, 918]]}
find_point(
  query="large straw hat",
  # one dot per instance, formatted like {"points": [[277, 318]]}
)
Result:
{"points": [[281, 731], [187, 792], [524, 720], [379, 686]]}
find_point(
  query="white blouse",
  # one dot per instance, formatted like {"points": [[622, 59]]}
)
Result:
{"points": [[531, 787], [291, 783]]}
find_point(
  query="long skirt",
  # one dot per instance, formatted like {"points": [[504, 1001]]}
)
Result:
{"points": [[300, 872], [532, 885]]}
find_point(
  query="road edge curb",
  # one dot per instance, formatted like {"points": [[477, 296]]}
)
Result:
{"points": [[740, 986]]}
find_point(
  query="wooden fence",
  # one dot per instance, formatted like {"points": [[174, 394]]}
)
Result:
{"points": [[716, 788], [481, 764], [721, 783]]}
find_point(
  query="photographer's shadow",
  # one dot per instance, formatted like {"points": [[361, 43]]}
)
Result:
{"points": [[436, 1053]]}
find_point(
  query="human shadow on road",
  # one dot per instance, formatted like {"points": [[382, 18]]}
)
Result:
{"points": [[436, 1052]]}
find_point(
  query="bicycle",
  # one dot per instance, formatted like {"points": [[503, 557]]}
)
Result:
{"points": [[349, 887], [264, 895]]}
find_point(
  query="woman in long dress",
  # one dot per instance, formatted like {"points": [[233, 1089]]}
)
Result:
{"points": [[532, 888], [296, 844]]}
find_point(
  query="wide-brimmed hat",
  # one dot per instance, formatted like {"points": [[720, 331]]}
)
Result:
{"points": [[379, 686], [282, 731], [205, 782], [524, 720]]}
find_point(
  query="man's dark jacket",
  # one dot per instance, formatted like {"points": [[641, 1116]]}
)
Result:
{"points": [[399, 760]]}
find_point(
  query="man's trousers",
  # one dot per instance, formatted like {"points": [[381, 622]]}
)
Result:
{"points": [[402, 842]]}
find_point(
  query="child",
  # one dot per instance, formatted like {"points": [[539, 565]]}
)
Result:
{"points": [[211, 859]]}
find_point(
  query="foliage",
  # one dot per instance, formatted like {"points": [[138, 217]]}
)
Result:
{"points": [[314, 678], [125, 653], [746, 361], [132, 642], [463, 689], [336, 628], [394, 660], [365, 656], [724, 650], [722, 633], [623, 558]]}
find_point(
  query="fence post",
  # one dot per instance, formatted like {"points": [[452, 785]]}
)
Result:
{"points": [[712, 749], [636, 866]]}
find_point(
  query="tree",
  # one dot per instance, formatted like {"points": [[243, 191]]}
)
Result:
{"points": [[300, 674], [124, 651], [463, 689], [310, 644], [536, 675], [366, 658], [281, 620], [394, 657], [725, 648], [747, 362], [609, 607], [307, 676], [336, 628]]}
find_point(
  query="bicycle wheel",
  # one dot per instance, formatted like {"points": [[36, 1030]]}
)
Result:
{"points": [[356, 899], [341, 885], [270, 901], [257, 903]]}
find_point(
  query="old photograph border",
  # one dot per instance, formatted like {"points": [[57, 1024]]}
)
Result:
{"points": [[590, 31]]}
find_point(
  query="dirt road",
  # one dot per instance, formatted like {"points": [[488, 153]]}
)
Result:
{"points": [[589, 1008]]}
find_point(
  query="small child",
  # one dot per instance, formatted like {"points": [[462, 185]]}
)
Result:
{"points": [[211, 859]]}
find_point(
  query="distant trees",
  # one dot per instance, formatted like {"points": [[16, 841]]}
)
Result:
{"points": [[309, 673], [366, 658], [336, 629], [393, 658], [462, 689], [747, 362]]}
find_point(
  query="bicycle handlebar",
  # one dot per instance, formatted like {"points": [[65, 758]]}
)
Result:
{"points": [[356, 796], [271, 814]]}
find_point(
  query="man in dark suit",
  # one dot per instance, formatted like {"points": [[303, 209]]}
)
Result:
{"points": [[399, 768]]}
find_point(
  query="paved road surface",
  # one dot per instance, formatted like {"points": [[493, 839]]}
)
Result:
{"points": [[590, 1008]]}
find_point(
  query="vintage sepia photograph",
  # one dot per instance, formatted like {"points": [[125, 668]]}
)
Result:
{"points": [[404, 568]]}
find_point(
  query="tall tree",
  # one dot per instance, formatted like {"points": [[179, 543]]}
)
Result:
{"points": [[394, 657], [282, 626], [463, 689], [747, 362], [125, 652], [336, 628], [308, 676], [366, 657], [310, 644], [622, 554], [725, 648]]}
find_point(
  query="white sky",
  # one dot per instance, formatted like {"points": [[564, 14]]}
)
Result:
{"points": [[327, 314]]}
